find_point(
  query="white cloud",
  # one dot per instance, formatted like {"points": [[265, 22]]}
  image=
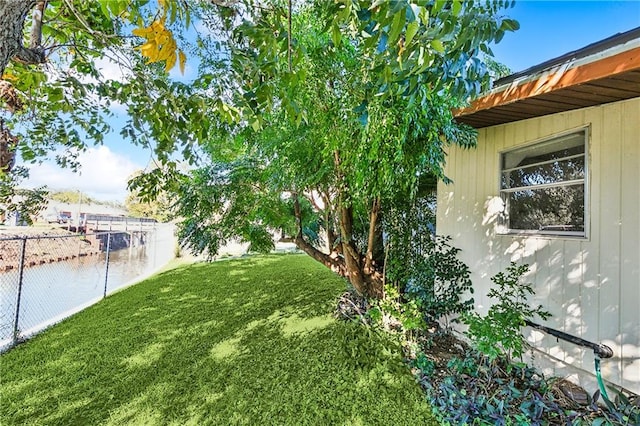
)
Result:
{"points": [[103, 175], [111, 70]]}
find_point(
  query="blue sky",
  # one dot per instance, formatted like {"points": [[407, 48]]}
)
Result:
{"points": [[551, 28], [547, 29]]}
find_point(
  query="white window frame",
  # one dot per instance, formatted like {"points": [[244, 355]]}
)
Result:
{"points": [[503, 227]]}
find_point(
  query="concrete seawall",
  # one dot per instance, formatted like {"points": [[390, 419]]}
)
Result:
{"points": [[43, 246]]}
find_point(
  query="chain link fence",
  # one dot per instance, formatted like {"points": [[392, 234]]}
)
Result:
{"points": [[44, 279]]}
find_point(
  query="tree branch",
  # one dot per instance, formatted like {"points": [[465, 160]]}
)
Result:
{"points": [[12, 17], [314, 202], [36, 29], [373, 226], [79, 17], [34, 54], [289, 37], [298, 214], [332, 262], [30, 56], [328, 218], [8, 144]]}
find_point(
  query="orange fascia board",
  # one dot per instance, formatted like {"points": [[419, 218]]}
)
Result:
{"points": [[606, 67]]}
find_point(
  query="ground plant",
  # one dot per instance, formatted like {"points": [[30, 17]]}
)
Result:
{"points": [[464, 387], [482, 385]]}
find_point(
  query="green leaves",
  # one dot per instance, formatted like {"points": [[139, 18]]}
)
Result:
{"points": [[499, 332], [456, 7], [228, 201], [437, 46], [336, 35], [396, 26], [56, 94], [412, 30], [509, 25], [427, 45], [114, 7]]}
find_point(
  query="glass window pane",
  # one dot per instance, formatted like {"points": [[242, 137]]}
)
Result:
{"points": [[565, 146], [558, 171], [547, 209]]}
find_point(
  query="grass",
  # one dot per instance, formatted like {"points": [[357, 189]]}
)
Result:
{"points": [[246, 341]]}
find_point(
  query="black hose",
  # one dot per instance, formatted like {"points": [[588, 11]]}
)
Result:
{"points": [[602, 351]]}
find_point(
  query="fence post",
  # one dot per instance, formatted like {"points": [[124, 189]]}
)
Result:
{"points": [[23, 252], [106, 267]]}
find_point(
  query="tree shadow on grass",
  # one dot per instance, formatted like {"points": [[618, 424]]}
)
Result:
{"points": [[236, 342]]}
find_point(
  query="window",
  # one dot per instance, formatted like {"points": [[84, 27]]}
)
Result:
{"points": [[543, 186]]}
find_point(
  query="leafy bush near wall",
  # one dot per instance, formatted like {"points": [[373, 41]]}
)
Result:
{"points": [[441, 281], [426, 271], [499, 332], [424, 267], [480, 385]]}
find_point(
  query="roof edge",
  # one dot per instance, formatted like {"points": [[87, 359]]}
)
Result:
{"points": [[606, 58], [560, 77], [615, 41]]}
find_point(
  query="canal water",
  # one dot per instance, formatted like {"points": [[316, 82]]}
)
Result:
{"points": [[54, 291]]}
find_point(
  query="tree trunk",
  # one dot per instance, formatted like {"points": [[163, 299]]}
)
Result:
{"points": [[332, 262], [12, 16], [347, 262], [367, 281]]}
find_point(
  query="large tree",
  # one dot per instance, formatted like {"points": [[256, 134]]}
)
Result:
{"points": [[308, 116], [347, 112]]}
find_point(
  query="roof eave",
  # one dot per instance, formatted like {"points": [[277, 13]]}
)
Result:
{"points": [[602, 65]]}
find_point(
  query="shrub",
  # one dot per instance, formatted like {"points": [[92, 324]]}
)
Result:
{"points": [[394, 313], [498, 333], [440, 280], [427, 272]]}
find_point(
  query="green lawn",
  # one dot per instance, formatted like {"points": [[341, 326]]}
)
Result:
{"points": [[246, 341]]}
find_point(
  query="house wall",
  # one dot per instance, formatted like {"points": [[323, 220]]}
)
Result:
{"points": [[590, 285]]}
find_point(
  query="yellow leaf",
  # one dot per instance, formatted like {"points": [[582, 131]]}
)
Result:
{"points": [[163, 54], [141, 32], [150, 50], [171, 61], [158, 25], [167, 50], [160, 44], [183, 60], [9, 76], [163, 38]]}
